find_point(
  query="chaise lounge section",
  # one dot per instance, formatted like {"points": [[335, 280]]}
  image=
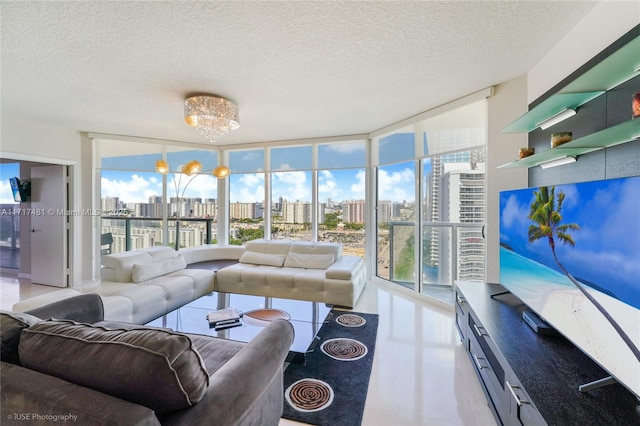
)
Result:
{"points": [[301, 270]]}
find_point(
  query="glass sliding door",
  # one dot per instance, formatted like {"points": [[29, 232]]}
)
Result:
{"points": [[394, 155], [440, 160], [396, 215], [452, 192]]}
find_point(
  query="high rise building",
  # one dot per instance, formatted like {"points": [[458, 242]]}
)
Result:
{"points": [[353, 211]]}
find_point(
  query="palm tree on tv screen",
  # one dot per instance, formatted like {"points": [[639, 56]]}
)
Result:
{"points": [[547, 223]]}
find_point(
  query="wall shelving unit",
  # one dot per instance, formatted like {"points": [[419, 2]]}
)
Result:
{"points": [[617, 68]]}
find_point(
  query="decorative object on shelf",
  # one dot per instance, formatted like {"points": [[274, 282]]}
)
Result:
{"points": [[557, 162], [212, 115], [636, 105], [557, 118], [558, 139], [526, 151]]}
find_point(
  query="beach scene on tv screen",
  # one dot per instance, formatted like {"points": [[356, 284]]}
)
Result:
{"points": [[589, 232]]}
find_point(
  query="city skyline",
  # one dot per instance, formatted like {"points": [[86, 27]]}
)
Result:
{"points": [[337, 185]]}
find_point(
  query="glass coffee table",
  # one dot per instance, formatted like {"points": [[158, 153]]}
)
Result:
{"points": [[306, 318]]}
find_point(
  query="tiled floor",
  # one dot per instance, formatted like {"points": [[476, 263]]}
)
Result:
{"points": [[421, 374]]}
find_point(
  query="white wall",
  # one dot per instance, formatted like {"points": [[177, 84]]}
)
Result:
{"points": [[507, 104], [607, 22], [24, 140]]}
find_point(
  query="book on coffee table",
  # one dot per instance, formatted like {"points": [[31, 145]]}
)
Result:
{"points": [[227, 316]]}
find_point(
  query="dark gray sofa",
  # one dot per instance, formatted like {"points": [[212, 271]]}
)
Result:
{"points": [[112, 373]]}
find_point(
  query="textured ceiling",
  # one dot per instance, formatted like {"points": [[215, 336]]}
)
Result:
{"points": [[295, 69]]}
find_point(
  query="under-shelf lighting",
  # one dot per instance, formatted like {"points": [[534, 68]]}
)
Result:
{"points": [[557, 162], [555, 119]]}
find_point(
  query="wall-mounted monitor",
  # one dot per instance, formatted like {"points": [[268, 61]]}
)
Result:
{"points": [[587, 232], [21, 189]]}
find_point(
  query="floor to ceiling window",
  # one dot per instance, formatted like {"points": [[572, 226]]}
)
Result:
{"points": [[396, 207], [428, 208], [141, 207], [441, 160], [291, 192], [453, 196], [341, 195], [247, 204]]}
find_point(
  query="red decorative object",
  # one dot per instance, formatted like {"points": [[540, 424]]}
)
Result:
{"points": [[636, 105]]}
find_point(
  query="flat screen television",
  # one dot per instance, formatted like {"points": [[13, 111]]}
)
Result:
{"points": [[21, 189], [594, 229]]}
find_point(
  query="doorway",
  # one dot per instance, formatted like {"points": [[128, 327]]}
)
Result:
{"points": [[35, 231], [9, 217]]}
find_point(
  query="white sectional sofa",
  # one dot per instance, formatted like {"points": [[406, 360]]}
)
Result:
{"points": [[302, 270], [141, 285]]}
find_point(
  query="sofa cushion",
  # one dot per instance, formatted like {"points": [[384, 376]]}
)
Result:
{"points": [[309, 261], [345, 268], [159, 369], [160, 253], [118, 266], [316, 247], [208, 252], [269, 246], [145, 272], [257, 258], [11, 326]]}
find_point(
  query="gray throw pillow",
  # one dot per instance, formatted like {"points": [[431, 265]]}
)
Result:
{"points": [[159, 369], [11, 326]]}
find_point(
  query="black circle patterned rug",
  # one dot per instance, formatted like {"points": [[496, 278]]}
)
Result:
{"points": [[351, 320], [309, 395], [344, 349], [330, 388]]}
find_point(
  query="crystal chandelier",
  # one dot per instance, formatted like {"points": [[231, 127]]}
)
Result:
{"points": [[213, 116]]}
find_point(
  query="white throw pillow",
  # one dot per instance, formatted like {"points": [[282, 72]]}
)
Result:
{"points": [[140, 273], [257, 258], [309, 261]]}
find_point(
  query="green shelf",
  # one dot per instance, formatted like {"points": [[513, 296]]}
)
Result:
{"points": [[548, 108], [617, 68], [621, 133]]}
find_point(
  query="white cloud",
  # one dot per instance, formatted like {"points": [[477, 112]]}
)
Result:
{"points": [[358, 188], [6, 195], [247, 188], [344, 148], [135, 190], [514, 213], [292, 186], [397, 185], [202, 186]]}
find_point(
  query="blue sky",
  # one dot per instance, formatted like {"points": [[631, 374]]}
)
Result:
{"points": [[607, 247], [396, 184], [7, 170]]}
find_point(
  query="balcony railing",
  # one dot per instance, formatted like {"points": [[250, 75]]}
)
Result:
{"points": [[450, 251], [132, 232]]}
